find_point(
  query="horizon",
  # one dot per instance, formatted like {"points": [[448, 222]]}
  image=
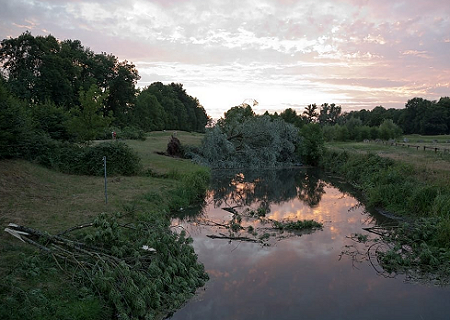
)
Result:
{"points": [[282, 53]]}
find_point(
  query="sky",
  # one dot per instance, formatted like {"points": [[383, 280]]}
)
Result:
{"points": [[281, 53]]}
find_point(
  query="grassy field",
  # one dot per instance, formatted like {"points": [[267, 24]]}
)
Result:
{"points": [[50, 201], [432, 166], [157, 141]]}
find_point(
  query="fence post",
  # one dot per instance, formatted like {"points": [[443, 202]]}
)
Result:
{"points": [[106, 190]]}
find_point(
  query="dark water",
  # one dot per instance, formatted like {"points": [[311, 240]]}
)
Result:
{"points": [[321, 275]]}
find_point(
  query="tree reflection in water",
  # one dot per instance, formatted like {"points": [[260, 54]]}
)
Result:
{"points": [[265, 187], [249, 195]]}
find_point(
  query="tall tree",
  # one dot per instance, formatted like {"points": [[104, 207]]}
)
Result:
{"points": [[413, 117], [40, 69], [290, 116], [310, 113], [148, 113], [121, 87], [329, 113], [88, 121]]}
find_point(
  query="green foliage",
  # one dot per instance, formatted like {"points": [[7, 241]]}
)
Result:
{"points": [[310, 113], [393, 186], [148, 113], [417, 250], [141, 270], [51, 120], [15, 124], [162, 106], [297, 225], [242, 140], [85, 160], [312, 145], [88, 121], [389, 130], [329, 113], [33, 300], [120, 158], [191, 190], [42, 69], [145, 283]]}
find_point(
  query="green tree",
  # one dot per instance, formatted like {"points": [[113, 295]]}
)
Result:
{"points": [[329, 113], [15, 124], [389, 130], [43, 69], [353, 125], [310, 113], [290, 116], [121, 88], [88, 121], [377, 116], [182, 111], [51, 120], [413, 117], [148, 113], [312, 144]]}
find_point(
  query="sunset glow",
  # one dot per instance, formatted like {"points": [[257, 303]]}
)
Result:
{"points": [[283, 53]]}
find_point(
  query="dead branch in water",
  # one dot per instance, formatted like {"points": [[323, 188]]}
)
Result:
{"points": [[233, 238]]}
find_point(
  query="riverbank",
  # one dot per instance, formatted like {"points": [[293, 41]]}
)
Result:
{"points": [[34, 287], [417, 190]]}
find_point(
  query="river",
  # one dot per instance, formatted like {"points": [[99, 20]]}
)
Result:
{"points": [[321, 274]]}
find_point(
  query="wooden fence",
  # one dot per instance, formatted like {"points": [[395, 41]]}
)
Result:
{"points": [[406, 145]]}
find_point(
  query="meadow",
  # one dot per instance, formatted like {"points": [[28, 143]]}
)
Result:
{"points": [[430, 166], [50, 201]]}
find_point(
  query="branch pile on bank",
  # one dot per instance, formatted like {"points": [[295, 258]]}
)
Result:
{"points": [[141, 270]]}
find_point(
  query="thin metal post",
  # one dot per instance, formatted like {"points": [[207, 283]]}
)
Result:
{"points": [[106, 190]]}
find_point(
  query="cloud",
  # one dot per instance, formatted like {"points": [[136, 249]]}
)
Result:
{"points": [[280, 52]]}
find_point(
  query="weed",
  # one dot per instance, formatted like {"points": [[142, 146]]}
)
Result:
{"points": [[297, 225]]}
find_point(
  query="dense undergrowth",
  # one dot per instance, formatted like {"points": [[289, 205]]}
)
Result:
{"points": [[81, 159], [422, 241]]}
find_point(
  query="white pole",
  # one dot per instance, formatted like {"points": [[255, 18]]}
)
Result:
{"points": [[106, 190]]}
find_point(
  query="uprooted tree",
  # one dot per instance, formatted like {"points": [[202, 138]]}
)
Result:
{"points": [[243, 139]]}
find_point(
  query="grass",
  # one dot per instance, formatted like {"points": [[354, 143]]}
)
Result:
{"points": [[431, 167], [50, 201], [157, 142]]}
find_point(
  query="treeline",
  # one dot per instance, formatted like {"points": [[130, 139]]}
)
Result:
{"points": [[420, 116], [72, 93]]}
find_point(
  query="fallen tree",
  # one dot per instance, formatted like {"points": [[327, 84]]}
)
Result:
{"points": [[141, 269]]}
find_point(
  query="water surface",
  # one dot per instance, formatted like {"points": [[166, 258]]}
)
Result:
{"points": [[324, 274]]}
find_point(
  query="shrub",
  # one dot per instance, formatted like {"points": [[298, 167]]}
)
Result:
{"points": [[191, 189], [120, 160], [75, 159], [311, 148]]}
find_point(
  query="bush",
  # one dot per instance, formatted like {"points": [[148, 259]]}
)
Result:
{"points": [[120, 160], [191, 190], [86, 160], [311, 148], [389, 130]]}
